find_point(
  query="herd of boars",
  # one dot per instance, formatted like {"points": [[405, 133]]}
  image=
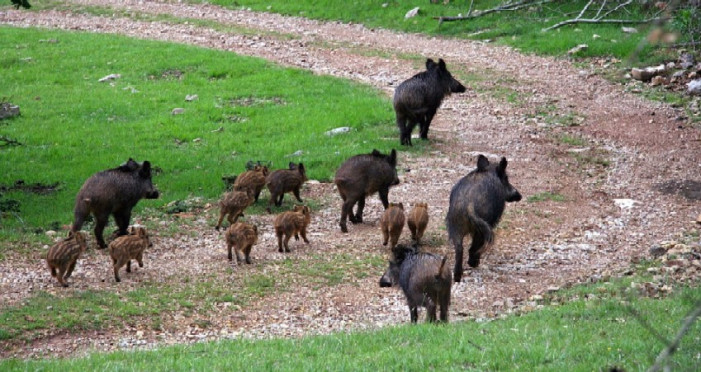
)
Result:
{"points": [[477, 202]]}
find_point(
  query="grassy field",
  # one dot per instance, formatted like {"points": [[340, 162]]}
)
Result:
{"points": [[585, 328], [247, 109], [521, 29]]}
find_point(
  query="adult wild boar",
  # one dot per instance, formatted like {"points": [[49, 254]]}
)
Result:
{"points": [[424, 279], [417, 99], [477, 202], [361, 176], [113, 192]]}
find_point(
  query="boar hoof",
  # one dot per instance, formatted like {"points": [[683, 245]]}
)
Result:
{"points": [[344, 228]]}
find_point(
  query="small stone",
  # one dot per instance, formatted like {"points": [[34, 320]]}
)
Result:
{"points": [[553, 289], [629, 30], [694, 87], [658, 80], [191, 97], [412, 13], [577, 49], [698, 219], [110, 77], [177, 111]]}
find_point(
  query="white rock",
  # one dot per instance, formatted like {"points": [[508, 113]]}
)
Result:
{"points": [[191, 97], [694, 87], [336, 131], [177, 111], [629, 30], [110, 77], [412, 13], [624, 203]]}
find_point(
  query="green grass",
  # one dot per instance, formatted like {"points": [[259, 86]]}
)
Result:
{"points": [[546, 196], [248, 109], [589, 328], [523, 29]]}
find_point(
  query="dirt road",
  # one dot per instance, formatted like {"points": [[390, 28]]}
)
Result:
{"points": [[519, 106]]}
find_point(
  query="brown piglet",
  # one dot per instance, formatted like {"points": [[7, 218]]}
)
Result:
{"points": [[63, 256], [392, 224], [292, 223], [232, 205], [128, 247], [417, 220], [242, 236]]}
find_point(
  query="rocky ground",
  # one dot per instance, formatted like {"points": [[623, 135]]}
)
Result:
{"points": [[629, 183]]}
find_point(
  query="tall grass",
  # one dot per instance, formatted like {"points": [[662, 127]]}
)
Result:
{"points": [[72, 125]]}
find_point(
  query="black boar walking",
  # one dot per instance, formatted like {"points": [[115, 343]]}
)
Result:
{"points": [[361, 176], [113, 192], [417, 99], [477, 202], [424, 279]]}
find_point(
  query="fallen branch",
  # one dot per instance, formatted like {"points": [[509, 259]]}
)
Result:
{"points": [[672, 347], [594, 20], [501, 8]]}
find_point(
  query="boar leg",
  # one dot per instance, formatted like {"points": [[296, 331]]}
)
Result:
{"points": [[116, 272], [414, 313], [384, 197], [69, 272], [100, 222], [129, 265], [279, 241], [430, 310], [140, 260], [296, 192], [457, 273], [287, 241], [426, 123], [346, 212], [61, 271], [303, 232], [53, 270], [444, 302], [385, 236], [121, 218], [359, 211], [247, 253], [228, 246], [222, 213]]}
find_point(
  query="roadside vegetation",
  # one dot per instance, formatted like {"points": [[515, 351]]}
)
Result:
{"points": [[594, 327]]}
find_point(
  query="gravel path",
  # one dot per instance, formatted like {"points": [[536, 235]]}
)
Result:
{"points": [[633, 147]]}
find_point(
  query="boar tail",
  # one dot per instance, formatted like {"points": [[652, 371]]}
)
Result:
{"points": [[481, 227], [440, 269]]}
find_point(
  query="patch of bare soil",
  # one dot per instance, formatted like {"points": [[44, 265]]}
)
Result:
{"points": [[627, 147]]}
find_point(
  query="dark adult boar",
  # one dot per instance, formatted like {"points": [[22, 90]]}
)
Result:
{"points": [[361, 176], [477, 202], [417, 99], [424, 279], [285, 180], [113, 192], [392, 224]]}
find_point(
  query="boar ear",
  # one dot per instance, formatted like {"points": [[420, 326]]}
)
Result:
{"points": [[145, 171], [301, 168], [482, 163], [375, 152], [502, 164], [441, 64], [393, 158], [430, 64]]}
